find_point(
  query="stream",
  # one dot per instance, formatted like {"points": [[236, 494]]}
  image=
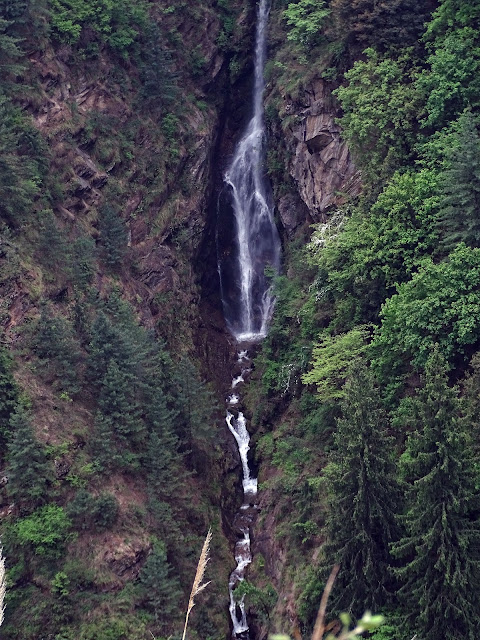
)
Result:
{"points": [[247, 296]]}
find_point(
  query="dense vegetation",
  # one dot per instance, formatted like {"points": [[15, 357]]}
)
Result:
{"points": [[365, 395], [109, 455], [365, 415]]}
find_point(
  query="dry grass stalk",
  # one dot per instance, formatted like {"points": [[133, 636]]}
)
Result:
{"points": [[319, 628], [3, 586], [197, 583]]}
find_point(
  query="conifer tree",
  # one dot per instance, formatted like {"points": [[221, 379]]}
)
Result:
{"points": [[82, 266], [54, 342], [119, 428], [441, 546], [117, 402], [12, 9], [162, 454], [107, 343], [459, 215], [113, 235], [162, 590], [103, 443], [28, 471], [362, 498], [159, 81], [471, 400], [8, 397], [194, 404]]}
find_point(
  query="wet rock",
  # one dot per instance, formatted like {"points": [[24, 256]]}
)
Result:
{"points": [[292, 212]]}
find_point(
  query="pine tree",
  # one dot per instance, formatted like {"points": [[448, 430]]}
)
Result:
{"points": [[362, 498], [159, 81], [103, 443], [459, 215], [471, 400], [117, 403], [194, 404], [119, 428], [82, 267], [440, 549], [107, 343], [11, 9], [162, 590], [8, 398], [54, 343], [163, 457], [113, 235], [28, 471]]}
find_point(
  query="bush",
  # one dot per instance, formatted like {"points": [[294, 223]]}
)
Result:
{"points": [[45, 530], [440, 304], [89, 512]]}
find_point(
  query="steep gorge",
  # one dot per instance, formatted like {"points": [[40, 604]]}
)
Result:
{"points": [[159, 166]]}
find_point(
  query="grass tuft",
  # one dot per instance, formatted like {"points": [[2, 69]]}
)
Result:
{"points": [[3, 586], [198, 587]]}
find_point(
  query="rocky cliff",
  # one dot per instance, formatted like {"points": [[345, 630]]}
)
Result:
{"points": [[150, 164]]}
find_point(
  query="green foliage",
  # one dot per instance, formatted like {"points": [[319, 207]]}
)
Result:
{"points": [[116, 402], [380, 111], [8, 397], [117, 23], [21, 171], [113, 235], [194, 405], [451, 80], [82, 265], [441, 303], [54, 343], [27, 470], [334, 357], [160, 586], [471, 394], [109, 628], [362, 496], [366, 624], [261, 599], [459, 216], [44, 531], [52, 245], [13, 9], [159, 81], [383, 25], [452, 13], [373, 250], [306, 19], [11, 54], [89, 512], [441, 547], [61, 584]]}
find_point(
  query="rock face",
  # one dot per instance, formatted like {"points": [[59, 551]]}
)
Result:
{"points": [[320, 161]]}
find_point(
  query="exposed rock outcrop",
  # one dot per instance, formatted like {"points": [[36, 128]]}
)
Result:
{"points": [[320, 161]]}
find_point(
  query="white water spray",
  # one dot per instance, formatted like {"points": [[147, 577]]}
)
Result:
{"points": [[243, 555], [250, 305], [247, 295]]}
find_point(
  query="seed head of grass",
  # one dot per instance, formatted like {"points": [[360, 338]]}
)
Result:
{"points": [[198, 586]]}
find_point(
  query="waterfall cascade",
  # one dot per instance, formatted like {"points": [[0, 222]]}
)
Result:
{"points": [[247, 297], [247, 514], [246, 293]]}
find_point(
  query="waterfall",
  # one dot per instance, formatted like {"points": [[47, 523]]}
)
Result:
{"points": [[247, 296], [248, 512], [246, 293]]}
